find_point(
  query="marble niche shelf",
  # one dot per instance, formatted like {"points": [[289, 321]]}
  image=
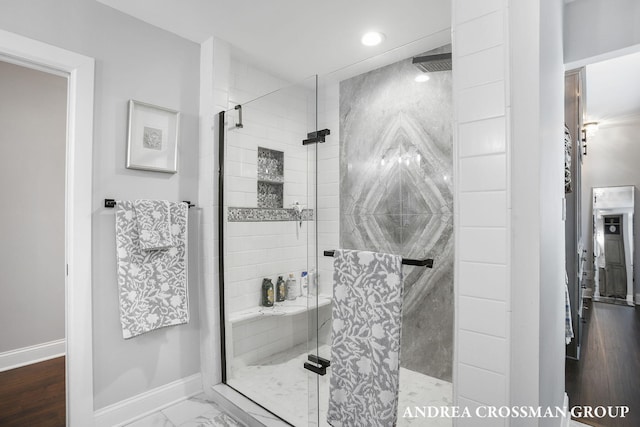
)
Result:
{"points": [[285, 308]]}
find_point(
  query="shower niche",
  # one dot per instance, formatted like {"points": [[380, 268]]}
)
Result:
{"points": [[270, 178]]}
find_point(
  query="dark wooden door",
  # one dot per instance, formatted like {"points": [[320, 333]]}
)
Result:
{"points": [[615, 270]]}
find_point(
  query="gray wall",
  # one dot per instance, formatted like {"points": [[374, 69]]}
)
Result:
{"points": [[33, 120], [537, 350], [552, 263], [595, 27], [612, 160], [139, 61], [403, 208]]}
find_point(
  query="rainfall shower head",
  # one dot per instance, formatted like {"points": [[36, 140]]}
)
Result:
{"points": [[431, 63]]}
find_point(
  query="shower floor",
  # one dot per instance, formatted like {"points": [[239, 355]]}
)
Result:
{"points": [[281, 384]]}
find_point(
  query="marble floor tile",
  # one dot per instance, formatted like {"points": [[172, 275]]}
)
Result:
{"points": [[187, 410], [212, 418], [281, 384], [196, 411], [574, 423], [156, 419]]}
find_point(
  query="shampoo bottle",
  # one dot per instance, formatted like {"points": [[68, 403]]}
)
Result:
{"points": [[292, 287], [281, 289], [267, 293]]}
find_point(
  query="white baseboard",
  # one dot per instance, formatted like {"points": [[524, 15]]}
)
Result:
{"points": [[32, 354], [565, 407], [139, 406]]}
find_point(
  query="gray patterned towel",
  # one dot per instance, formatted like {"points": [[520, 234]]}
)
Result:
{"points": [[152, 284], [365, 342], [153, 219]]}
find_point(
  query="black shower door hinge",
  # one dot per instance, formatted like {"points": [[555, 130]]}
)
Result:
{"points": [[315, 137], [318, 364]]}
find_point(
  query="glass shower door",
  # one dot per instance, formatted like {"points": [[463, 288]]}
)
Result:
{"points": [[358, 159], [269, 251], [384, 184]]}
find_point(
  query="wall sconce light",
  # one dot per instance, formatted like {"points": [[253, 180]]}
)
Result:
{"points": [[588, 129]]}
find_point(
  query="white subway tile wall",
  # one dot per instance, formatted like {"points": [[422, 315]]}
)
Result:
{"points": [[483, 209], [483, 280], [482, 223], [469, 342], [490, 25], [256, 250], [493, 322], [482, 137], [482, 385], [328, 212], [481, 102], [483, 67], [472, 9]]}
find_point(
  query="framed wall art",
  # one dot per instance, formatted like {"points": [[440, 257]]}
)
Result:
{"points": [[152, 142]]}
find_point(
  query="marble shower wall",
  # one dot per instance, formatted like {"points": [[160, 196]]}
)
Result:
{"points": [[396, 196]]}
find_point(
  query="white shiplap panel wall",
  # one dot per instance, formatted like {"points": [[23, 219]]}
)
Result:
{"points": [[481, 164]]}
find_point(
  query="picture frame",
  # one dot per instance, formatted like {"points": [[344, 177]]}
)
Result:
{"points": [[152, 138]]}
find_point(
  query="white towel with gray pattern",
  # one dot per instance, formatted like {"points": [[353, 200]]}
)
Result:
{"points": [[365, 342], [153, 218], [152, 283]]}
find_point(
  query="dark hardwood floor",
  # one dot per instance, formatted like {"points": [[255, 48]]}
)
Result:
{"points": [[34, 395], [608, 372]]}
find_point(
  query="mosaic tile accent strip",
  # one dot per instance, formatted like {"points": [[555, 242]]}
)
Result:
{"points": [[265, 214], [270, 178], [270, 165], [270, 195]]}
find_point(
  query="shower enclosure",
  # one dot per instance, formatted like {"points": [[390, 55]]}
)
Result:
{"points": [[357, 159]]}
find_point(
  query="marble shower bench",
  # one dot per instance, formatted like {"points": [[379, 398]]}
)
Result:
{"points": [[285, 308]]}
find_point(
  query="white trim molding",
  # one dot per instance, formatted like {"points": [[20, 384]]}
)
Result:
{"points": [[136, 407], [565, 409], [33, 354], [79, 335]]}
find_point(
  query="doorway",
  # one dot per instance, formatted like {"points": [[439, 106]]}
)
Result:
{"points": [[79, 142], [614, 283], [33, 121], [604, 369]]}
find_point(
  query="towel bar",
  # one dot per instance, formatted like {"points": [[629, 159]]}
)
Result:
{"points": [[111, 203], [427, 262]]}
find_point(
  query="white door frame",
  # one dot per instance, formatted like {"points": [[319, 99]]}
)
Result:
{"points": [[78, 325]]}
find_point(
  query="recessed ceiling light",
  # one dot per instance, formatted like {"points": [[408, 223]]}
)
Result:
{"points": [[372, 38], [422, 78]]}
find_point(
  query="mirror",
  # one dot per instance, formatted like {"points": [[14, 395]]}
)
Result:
{"points": [[613, 243]]}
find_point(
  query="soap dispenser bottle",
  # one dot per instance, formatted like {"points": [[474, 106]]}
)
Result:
{"points": [[281, 289], [292, 287], [267, 293]]}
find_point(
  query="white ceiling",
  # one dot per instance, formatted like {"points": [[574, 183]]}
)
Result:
{"points": [[295, 38], [613, 89]]}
